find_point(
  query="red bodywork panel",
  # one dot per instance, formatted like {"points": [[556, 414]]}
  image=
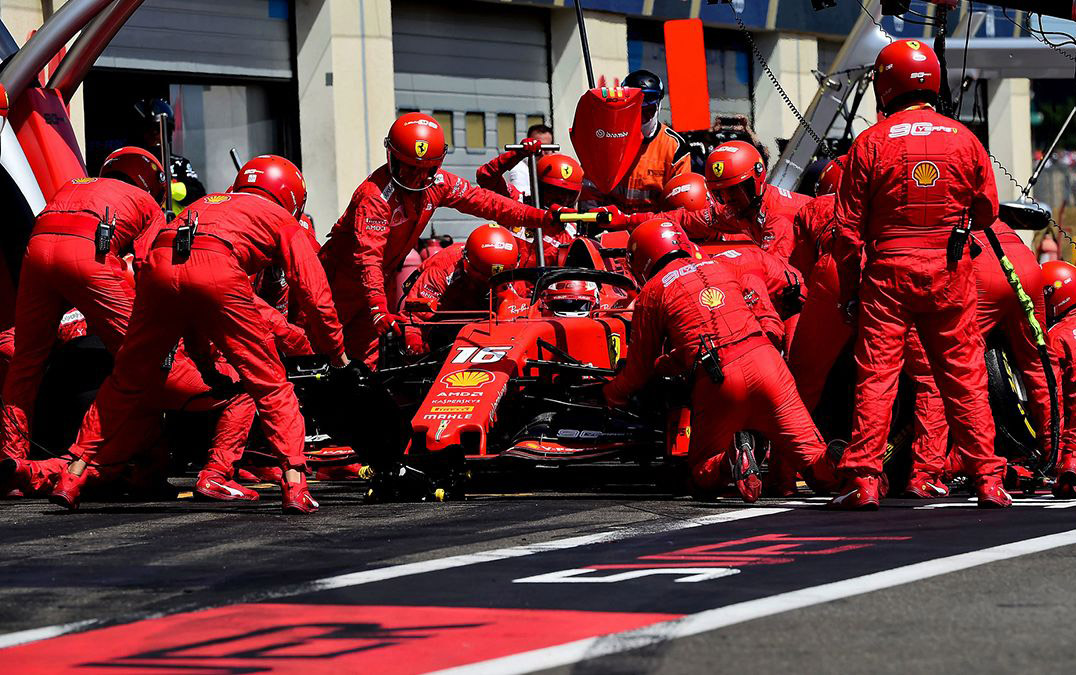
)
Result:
{"points": [[487, 356], [41, 122], [607, 134]]}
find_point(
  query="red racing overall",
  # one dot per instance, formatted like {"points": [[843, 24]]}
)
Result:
{"points": [[909, 181], [62, 269], [684, 302], [378, 229], [998, 307], [207, 297]]}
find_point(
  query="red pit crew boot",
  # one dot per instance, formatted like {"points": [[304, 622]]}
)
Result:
{"points": [[213, 485], [745, 469], [297, 497], [861, 493], [926, 486], [991, 493], [1065, 487], [66, 492], [14, 475]]}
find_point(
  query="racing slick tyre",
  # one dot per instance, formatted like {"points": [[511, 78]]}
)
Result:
{"points": [[1016, 438], [74, 372], [833, 415]]}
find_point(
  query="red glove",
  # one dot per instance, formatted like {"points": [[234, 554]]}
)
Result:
{"points": [[385, 322], [556, 211], [531, 146], [615, 219], [413, 341]]}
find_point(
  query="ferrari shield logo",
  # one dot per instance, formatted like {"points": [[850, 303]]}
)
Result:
{"points": [[421, 147], [566, 171], [719, 169], [496, 269], [711, 297], [616, 347], [914, 44]]}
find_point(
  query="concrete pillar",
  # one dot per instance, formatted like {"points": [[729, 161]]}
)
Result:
{"points": [[791, 57], [23, 16], [1009, 119], [608, 37], [346, 97]]}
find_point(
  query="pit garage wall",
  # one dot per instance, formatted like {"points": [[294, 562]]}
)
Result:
{"points": [[348, 80]]}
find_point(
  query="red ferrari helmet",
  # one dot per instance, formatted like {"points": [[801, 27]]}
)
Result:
{"points": [[570, 298], [490, 249], [830, 177], [1059, 286], [686, 191], [656, 242], [735, 164], [904, 68], [416, 149], [274, 177], [137, 167], [561, 179]]}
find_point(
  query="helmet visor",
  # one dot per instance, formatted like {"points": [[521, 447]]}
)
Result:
{"points": [[412, 177], [552, 194], [738, 197]]}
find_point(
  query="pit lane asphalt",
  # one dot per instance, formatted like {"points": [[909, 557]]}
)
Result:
{"points": [[122, 562]]}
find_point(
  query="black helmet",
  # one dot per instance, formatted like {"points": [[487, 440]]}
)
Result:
{"points": [[148, 110], [652, 86]]}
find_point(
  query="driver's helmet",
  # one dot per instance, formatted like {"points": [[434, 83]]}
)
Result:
{"points": [[572, 298]]}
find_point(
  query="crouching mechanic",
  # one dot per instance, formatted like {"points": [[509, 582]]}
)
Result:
{"points": [[914, 186], [195, 284], [739, 379], [457, 278], [1059, 280], [560, 179], [385, 218]]}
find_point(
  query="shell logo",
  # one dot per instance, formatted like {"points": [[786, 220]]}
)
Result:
{"points": [[719, 169], [83, 181], [926, 174], [421, 148], [711, 297], [566, 171], [467, 379], [216, 199]]}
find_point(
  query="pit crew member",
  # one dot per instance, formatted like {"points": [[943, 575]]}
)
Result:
{"points": [[1059, 281], [195, 284], [560, 179], [387, 214], [739, 379], [663, 156], [914, 186]]}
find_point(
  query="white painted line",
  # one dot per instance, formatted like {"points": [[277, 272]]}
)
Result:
{"points": [[467, 559], [34, 634], [714, 619], [437, 564]]}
